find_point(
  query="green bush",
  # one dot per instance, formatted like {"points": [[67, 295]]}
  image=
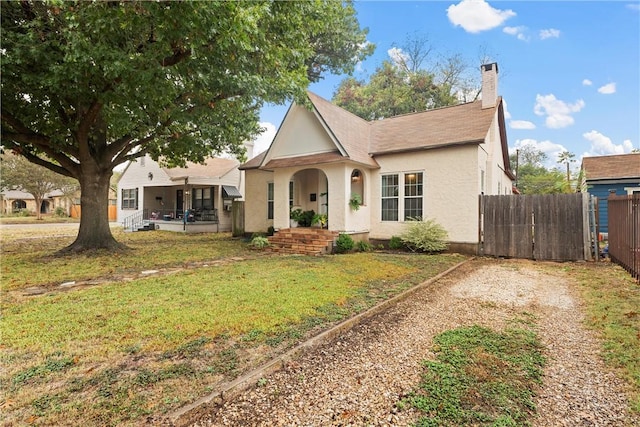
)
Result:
{"points": [[306, 218], [363, 246], [60, 212], [271, 231], [424, 235], [259, 242], [395, 243], [344, 243]]}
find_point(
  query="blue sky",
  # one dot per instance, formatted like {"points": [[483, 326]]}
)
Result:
{"points": [[568, 71]]}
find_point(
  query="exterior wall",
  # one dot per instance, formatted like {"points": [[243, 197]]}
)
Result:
{"points": [[255, 212], [300, 134], [450, 191], [136, 175], [490, 159], [602, 191]]}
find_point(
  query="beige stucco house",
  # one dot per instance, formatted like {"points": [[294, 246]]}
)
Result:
{"points": [[432, 164], [148, 192]]}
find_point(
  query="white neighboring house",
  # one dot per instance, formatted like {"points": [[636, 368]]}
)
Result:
{"points": [[432, 164], [196, 198]]}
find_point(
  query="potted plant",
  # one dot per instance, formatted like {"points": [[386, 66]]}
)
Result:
{"points": [[295, 216], [320, 219], [355, 201]]}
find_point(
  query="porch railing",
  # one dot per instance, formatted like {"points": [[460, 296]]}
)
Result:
{"points": [[134, 221]]}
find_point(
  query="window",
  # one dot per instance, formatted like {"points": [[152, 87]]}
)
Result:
{"points": [[410, 199], [291, 194], [412, 195], [202, 198], [270, 200], [129, 198], [390, 196]]}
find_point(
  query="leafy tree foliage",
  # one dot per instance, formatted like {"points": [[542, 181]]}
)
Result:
{"points": [[414, 81], [87, 86], [531, 176], [19, 174]]}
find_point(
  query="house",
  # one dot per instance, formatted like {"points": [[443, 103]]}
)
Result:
{"points": [[432, 164], [605, 175], [196, 198], [14, 201]]}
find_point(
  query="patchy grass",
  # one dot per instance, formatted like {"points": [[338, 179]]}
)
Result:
{"points": [[613, 310], [127, 352], [480, 377], [21, 251]]}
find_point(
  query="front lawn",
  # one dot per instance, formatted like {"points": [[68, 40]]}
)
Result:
{"points": [[126, 351]]}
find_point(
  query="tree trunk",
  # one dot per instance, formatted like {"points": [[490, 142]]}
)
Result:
{"points": [[94, 232]]}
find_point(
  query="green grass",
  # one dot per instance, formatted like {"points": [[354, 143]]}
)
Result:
{"points": [[613, 310], [127, 351], [480, 377]]}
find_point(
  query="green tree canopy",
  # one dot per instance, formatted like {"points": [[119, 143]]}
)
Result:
{"points": [[531, 175], [91, 85]]}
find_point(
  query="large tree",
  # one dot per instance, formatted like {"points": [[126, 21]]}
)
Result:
{"points": [[414, 80], [91, 85]]}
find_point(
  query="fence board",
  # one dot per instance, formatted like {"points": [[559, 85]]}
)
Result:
{"points": [[624, 232], [544, 227]]}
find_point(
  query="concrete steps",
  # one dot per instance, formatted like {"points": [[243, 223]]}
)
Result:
{"points": [[303, 241]]}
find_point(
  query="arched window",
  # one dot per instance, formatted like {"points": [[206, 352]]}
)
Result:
{"points": [[18, 205]]}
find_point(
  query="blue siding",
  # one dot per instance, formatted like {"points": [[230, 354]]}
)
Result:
{"points": [[601, 191]]}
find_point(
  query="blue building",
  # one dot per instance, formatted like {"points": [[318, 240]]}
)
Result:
{"points": [[605, 175]]}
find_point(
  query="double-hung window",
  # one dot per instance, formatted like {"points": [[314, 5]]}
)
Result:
{"points": [[270, 200], [390, 196], [129, 198], [412, 195], [402, 191]]}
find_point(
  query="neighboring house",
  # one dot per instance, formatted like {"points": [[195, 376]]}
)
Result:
{"points": [[605, 175], [163, 195], [16, 200], [432, 164]]}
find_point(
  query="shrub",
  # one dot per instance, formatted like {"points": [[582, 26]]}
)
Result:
{"points": [[344, 243], [424, 235], [60, 212], [306, 218], [259, 242], [363, 246], [395, 243]]}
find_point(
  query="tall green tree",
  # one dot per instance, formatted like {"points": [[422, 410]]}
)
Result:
{"points": [[531, 175], [567, 158], [91, 85], [19, 174]]}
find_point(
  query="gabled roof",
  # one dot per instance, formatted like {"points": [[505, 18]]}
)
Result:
{"points": [[362, 141], [459, 124], [612, 167], [212, 168]]}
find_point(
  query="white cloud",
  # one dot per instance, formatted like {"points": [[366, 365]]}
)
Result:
{"points": [[558, 112], [602, 145], [519, 32], [475, 16], [633, 6], [507, 114], [587, 82], [550, 149], [549, 33], [398, 57], [521, 124], [263, 141], [608, 89]]}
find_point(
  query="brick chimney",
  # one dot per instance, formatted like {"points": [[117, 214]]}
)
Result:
{"points": [[489, 84]]}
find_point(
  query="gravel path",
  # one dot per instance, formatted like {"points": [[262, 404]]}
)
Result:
{"points": [[357, 378]]}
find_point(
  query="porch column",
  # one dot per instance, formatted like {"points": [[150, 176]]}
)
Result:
{"points": [[281, 199]]}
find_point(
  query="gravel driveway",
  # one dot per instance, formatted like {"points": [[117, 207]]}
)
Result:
{"points": [[357, 378]]}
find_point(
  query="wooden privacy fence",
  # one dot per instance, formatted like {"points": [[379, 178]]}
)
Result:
{"points": [[542, 227], [624, 232]]}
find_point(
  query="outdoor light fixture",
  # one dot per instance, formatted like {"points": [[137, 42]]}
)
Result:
{"points": [[150, 176], [355, 176]]}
